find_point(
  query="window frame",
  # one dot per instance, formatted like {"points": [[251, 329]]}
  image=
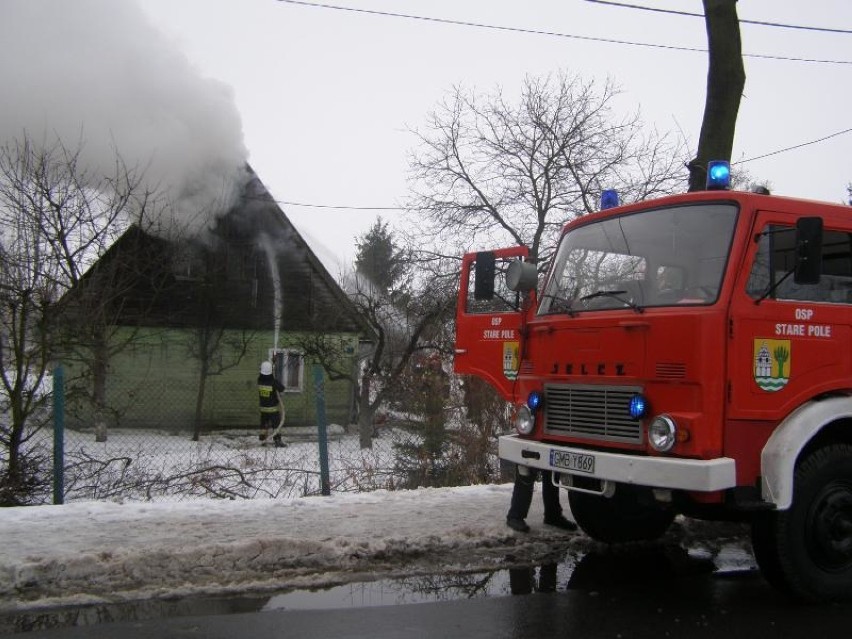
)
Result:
{"points": [[831, 282], [281, 357]]}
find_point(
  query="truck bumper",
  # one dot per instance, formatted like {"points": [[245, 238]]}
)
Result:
{"points": [[658, 472]]}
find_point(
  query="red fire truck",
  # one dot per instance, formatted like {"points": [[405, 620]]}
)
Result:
{"points": [[687, 355]]}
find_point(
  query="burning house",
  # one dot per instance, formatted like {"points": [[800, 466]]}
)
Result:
{"points": [[171, 332]]}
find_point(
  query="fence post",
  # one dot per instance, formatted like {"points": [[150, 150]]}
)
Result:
{"points": [[325, 484], [58, 435]]}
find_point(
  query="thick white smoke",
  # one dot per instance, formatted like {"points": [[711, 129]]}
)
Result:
{"points": [[97, 73]]}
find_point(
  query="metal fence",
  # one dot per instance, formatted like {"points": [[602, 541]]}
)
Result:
{"points": [[148, 465], [157, 464]]}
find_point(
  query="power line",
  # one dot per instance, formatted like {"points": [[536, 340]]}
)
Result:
{"points": [[399, 208], [556, 34], [795, 146], [762, 23], [341, 206]]}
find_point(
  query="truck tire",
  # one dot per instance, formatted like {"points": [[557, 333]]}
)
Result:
{"points": [[806, 551], [631, 514]]}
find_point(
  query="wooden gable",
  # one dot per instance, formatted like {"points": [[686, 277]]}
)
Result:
{"points": [[251, 261]]}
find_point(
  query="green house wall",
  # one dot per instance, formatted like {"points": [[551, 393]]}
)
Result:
{"points": [[153, 383]]}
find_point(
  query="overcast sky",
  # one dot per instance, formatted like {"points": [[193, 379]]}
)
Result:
{"points": [[325, 98]]}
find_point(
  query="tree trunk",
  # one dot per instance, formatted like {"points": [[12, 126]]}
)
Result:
{"points": [[11, 493], [99, 376], [16, 411], [204, 369], [199, 407], [725, 82], [365, 414]]}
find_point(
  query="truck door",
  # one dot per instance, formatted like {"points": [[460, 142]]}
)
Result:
{"points": [[789, 341], [488, 319]]}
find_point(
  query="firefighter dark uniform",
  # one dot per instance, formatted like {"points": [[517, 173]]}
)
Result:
{"points": [[271, 404], [522, 494]]}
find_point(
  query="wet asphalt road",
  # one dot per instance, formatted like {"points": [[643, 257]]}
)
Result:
{"points": [[643, 595]]}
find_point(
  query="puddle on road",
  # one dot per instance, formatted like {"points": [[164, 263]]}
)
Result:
{"points": [[589, 571], [592, 571]]}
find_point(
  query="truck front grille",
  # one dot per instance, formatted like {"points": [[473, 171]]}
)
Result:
{"points": [[593, 412]]}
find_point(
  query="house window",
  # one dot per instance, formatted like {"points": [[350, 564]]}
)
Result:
{"points": [[290, 369]]}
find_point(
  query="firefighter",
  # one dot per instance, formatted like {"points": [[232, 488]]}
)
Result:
{"points": [[271, 404], [522, 493]]}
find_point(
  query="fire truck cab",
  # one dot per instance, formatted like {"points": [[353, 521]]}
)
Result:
{"points": [[687, 355]]}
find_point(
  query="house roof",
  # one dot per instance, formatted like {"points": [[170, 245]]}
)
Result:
{"points": [[251, 262]]}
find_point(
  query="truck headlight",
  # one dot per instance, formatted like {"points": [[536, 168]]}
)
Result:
{"points": [[662, 433], [524, 420]]}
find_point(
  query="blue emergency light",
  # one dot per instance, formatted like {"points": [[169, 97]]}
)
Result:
{"points": [[609, 199], [718, 175], [638, 406], [534, 401]]}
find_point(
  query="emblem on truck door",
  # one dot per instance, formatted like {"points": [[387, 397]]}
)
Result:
{"points": [[511, 359], [772, 363]]}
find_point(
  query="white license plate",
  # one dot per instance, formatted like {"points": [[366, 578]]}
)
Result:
{"points": [[568, 460]]}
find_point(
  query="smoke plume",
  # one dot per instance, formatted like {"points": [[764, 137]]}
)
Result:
{"points": [[97, 74]]}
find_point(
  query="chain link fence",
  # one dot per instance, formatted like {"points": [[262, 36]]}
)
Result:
{"points": [[156, 465], [159, 464]]}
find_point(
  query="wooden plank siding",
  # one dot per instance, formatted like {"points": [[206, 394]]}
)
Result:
{"points": [[152, 384]]}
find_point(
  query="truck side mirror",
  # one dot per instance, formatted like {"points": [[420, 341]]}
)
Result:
{"points": [[521, 277], [483, 276], [808, 250]]}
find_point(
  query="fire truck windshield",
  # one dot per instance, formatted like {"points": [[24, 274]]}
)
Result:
{"points": [[658, 257]]}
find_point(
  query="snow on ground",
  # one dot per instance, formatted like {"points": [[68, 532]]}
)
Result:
{"points": [[150, 465], [91, 552]]}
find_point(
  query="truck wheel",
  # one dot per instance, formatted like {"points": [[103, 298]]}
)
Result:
{"points": [[631, 514], [806, 550]]}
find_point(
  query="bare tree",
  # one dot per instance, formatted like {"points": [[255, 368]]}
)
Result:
{"points": [[214, 348], [403, 325], [490, 172], [56, 218], [403, 315], [101, 316]]}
